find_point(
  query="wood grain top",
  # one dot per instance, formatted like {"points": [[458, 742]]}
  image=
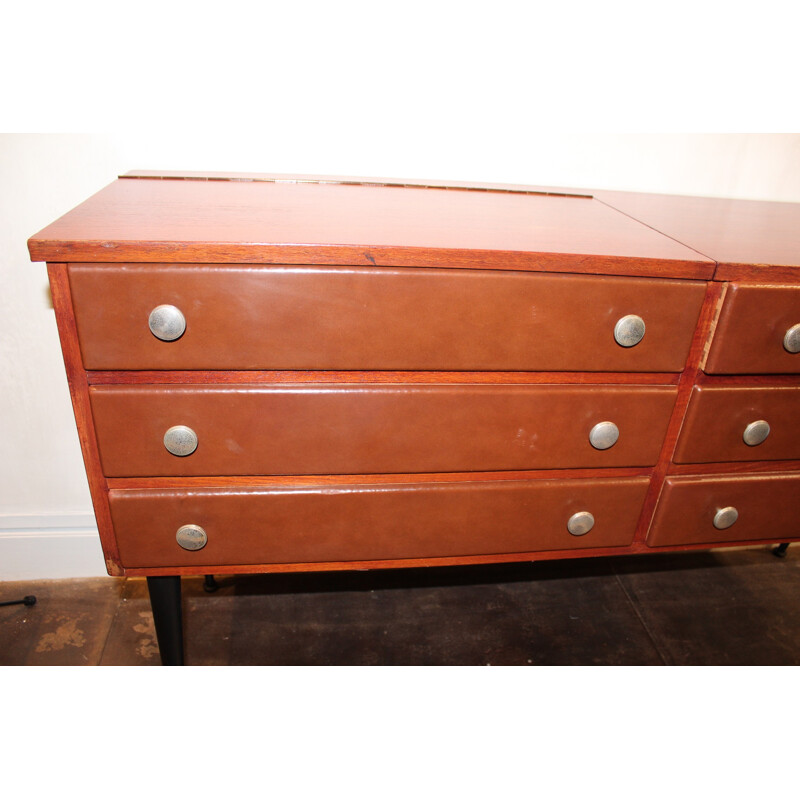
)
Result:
{"points": [[749, 239], [251, 219], [273, 177]]}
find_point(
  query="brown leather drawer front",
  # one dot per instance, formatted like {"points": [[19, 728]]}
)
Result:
{"points": [[750, 331], [337, 429], [716, 419], [767, 506], [353, 318], [372, 522]]}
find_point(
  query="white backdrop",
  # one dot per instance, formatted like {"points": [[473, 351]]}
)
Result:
{"points": [[504, 91]]}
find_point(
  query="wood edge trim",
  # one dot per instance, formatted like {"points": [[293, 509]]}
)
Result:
{"points": [[256, 482], [337, 566], [79, 393], [335, 180], [740, 469], [150, 377], [755, 381], [680, 548], [774, 474], [758, 273], [685, 388], [364, 255], [550, 555], [712, 329]]}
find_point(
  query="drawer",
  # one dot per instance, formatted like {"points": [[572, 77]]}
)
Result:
{"points": [[766, 508], [372, 522], [719, 419], [752, 327], [328, 429], [350, 318]]}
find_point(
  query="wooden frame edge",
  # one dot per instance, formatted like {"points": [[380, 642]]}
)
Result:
{"points": [[635, 549], [79, 392], [688, 378]]}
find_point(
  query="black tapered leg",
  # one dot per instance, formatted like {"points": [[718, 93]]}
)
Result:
{"points": [[165, 598], [209, 584], [780, 550]]}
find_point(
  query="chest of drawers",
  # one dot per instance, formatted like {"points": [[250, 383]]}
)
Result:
{"points": [[289, 374]]}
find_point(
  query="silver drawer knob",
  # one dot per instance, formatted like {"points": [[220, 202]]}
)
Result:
{"points": [[603, 435], [725, 517], [191, 537], [180, 440], [580, 523], [791, 341], [629, 330], [167, 323], [756, 432]]}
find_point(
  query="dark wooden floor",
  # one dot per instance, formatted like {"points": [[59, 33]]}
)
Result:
{"points": [[722, 607]]}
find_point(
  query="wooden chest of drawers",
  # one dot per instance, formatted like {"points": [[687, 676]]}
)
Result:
{"points": [[274, 374]]}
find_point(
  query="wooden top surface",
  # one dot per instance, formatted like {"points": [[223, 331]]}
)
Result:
{"points": [[241, 218], [271, 177], [749, 239]]}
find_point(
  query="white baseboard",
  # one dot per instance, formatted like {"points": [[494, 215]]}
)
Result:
{"points": [[49, 546]]}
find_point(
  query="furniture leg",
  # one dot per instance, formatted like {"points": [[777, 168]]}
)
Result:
{"points": [[165, 599], [209, 584], [780, 550]]}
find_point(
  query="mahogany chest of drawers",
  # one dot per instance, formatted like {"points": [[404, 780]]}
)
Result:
{"points": [[286, 374]]}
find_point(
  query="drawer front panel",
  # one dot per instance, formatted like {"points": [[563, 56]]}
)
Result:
{"points": [[717, 419], [334, 429], [766, 505], [384, 319], [750, 333], [372, 522]]}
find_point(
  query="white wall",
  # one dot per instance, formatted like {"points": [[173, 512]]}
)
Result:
{"points": [[46, 523]]}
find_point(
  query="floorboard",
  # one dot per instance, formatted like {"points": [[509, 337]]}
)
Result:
{"points": [[735, 606]]}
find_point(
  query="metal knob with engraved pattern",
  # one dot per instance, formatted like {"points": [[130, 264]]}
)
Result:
{"points": [[191, 537], [580, 523], [756, 432], [167, 323], [791, 341], [603, 435], [180, 440], [725, 517], [629, 330]]}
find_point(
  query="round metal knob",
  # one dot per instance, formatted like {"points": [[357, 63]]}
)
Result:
{"points": [[167, 323], [580, 523], [191, 537], [603, 435], [791, 341], [629, 330], [725, 517], [756, 432], [180, 440]]}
